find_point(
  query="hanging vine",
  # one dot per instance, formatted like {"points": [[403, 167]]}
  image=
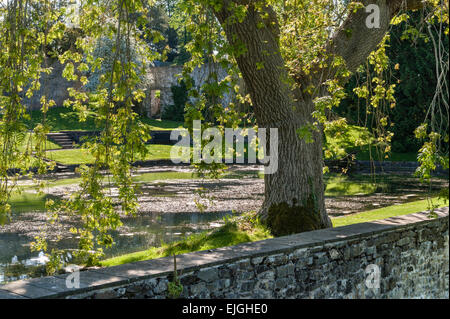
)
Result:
{"points": [[123, 136]]}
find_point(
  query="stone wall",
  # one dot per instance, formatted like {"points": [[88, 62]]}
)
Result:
{"points": [[410, 251], [54, 85], [160, 78]]}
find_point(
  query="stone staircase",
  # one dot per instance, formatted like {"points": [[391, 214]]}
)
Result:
{"points": [[62, 139]]}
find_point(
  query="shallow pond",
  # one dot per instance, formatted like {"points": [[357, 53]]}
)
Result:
{"points": [[137, 233]]}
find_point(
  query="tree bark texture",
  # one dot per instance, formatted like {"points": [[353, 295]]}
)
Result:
{"points": [[295, 192]]}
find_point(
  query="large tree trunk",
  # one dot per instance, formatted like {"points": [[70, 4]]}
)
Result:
{"points": [[294, 194]]}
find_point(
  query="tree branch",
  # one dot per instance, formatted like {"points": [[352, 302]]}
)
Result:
{"points": [[354, 41], [261, 64]]}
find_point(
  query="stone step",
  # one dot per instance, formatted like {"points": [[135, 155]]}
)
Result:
{"points": [[62, 139], [58, 135]]}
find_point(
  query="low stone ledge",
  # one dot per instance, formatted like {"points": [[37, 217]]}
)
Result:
{"points": [[26, 288], [9, 295], [261, 254], [56, 287]]}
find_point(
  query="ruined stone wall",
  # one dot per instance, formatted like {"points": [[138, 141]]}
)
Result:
{"points": [[160, 79], [410, 252], [53, 85]]}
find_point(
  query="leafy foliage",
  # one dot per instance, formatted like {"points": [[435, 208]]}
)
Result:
{"points": [[25, 32], [175, 112], [411, 69], [111, 98]]}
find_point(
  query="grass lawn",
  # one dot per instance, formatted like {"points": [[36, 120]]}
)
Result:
{"points": [[30, 142], [27, 202], [365, 155], [341, 185], [386, 212], [339, 144], [162, 152], [240, 230], [82, 156], [162, 125], [71, 156], [65, 119], [59, 119]]}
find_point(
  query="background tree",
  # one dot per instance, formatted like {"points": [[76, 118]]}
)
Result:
{"points": [[162, 16]]}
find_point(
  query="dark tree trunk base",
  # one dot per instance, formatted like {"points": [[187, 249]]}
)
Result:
{"points": [[284, 219]]}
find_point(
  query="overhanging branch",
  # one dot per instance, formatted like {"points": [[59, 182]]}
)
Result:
{"points": [[356, 39]]}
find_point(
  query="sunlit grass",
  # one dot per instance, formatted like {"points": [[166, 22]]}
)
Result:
{"points": [[337, 146], [62, 119], [343, 186], [27, 202], [30, 141], [162, 125], [338, 143], [71, 156], [83, 156], [386, 212]]}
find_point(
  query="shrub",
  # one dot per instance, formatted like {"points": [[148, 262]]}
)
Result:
{"points": [[175, 112]]}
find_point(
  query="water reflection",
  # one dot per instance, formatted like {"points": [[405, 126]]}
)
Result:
{"points": [[137, 233]]}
